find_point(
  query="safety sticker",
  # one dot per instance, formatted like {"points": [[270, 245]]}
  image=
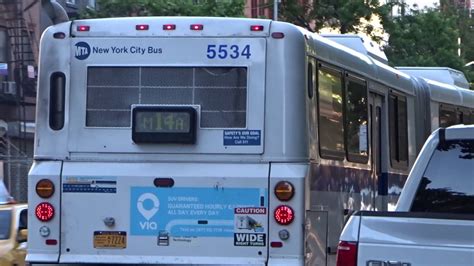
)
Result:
{"points": [[242, 137], [250, 226], [90, 184]]}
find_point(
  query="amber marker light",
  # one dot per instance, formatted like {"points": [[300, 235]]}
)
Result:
{"points": [[284, 190], [45, 188]]}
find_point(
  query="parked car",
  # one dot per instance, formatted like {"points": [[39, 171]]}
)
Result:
{"points": [[13, 234], [433, 223]]}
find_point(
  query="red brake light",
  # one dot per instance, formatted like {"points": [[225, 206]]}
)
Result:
{"points": [[169, 27], [44, 211], [256, 28], [197, 27], [83, 28], [141, 27], [284, 215], [346, 254]]}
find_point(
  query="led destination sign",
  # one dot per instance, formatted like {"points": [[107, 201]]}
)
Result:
{"points": [[164, 124]]}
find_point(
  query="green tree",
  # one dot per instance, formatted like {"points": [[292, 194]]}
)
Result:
{"points": [[127, 8], [347, 16], [466, 32], [425, 37]]}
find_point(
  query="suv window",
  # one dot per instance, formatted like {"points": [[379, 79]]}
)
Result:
{"points": [[447, 185], [5, 223]]}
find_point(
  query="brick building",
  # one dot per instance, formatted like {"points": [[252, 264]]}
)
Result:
{"points": [[21, 25]]}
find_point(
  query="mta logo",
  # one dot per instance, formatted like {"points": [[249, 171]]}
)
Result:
{"points": [[83, 50]]}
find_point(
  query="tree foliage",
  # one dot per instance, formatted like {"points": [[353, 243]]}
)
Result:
{"points": [[347, 16], [466, 31], [127, 8], [426, 37]]}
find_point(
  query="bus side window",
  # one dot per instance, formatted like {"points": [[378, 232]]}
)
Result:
{"points": [[356, 120], [447, 115], [330, 116], [57, 92], [310, 80], [398, 130]]}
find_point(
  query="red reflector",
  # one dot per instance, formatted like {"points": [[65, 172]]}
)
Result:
{"points": [[197, 27], [346, 254], [83, 28], [256, 28], [44, 211], [284, 215], [163, 182], [276, 244], [142, 27], [278, 35], [169, 27], [51, 242]]}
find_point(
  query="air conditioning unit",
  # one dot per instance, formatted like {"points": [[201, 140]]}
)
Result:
{"points": [[9, 87]]}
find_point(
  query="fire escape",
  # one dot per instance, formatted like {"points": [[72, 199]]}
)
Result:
{"points": [[17, 94]]}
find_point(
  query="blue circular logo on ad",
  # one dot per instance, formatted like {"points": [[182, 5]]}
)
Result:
{"points": [[83, 50]]}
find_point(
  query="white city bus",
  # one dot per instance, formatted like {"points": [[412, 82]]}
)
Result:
{"points": [[212, 141]]}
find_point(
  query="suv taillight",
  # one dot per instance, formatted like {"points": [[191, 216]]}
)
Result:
{"points": [[346, 254]]}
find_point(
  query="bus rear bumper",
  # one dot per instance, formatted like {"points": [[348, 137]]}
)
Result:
{"points": [[160, 260], [285, 261]]}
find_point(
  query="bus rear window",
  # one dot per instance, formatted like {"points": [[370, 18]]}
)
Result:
{"points": [[221, 93]]}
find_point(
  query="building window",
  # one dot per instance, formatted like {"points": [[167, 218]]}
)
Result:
{"points": [[261, 8], [331, 126], [91, 4], [254, 8], [398, 130]]}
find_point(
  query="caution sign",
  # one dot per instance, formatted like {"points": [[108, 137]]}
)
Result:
{"points": [[249, 240], [250, 223]]}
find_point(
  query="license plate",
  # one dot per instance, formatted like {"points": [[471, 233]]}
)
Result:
{"points": [[110, 239]]}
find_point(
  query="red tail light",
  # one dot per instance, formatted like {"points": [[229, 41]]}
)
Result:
{"points": [[256, 28], [284, 215], [346, 254], [142, 27], [44, 211], [169, 27], [83, 28], [197, 27]]}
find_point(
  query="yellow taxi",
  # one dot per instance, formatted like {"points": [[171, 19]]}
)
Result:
{"points": [[13, 231]]}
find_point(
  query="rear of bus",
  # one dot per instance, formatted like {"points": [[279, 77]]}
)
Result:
{"points": [[150, 146]]}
